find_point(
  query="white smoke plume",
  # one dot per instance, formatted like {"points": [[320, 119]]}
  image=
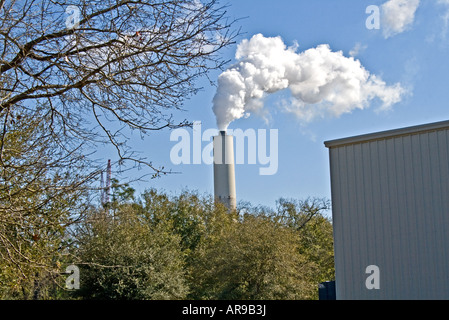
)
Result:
{"points": [[320, 81]]}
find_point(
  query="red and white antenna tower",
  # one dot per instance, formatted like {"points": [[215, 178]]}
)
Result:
{"points": [[105, 187], [102, 197], [108, 182]]}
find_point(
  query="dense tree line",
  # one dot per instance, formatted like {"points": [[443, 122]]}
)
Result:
{"points": [[188, 247]]}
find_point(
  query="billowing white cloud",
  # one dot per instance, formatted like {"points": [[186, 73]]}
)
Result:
{"points": [[321, 82], [398, 16]]}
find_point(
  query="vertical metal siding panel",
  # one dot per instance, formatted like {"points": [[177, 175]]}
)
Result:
{"points": [[345, 227], [405, 183], [420, 226], [443, 211], [409, 233], [444, 174], [412, 166], [377, 230], [337, 223], [444, 218], [435, 213], [346, 224], [395, 227], [384, 224], [368, 205], [351, 221], [407, 237], [359, 209], [359, 250], [428, 216], [333, 167], [436, 205], [440, 177]]}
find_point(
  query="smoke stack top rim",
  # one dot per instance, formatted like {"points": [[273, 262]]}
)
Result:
{"points": [[222, 132]]}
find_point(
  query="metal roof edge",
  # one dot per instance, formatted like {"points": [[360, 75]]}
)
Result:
{"points": [[388, 134]]}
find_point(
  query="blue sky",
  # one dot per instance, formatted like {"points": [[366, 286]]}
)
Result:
{"points": [[416, 57]]}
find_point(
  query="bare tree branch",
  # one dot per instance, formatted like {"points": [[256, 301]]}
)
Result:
{"points": [[68, 84]]}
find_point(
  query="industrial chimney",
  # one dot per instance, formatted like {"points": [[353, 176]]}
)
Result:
{"points": [[224, 175]]}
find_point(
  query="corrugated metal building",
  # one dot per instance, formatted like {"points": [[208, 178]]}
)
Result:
{"points": [[390, 207]]}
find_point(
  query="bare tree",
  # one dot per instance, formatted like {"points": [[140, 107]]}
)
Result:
{"points": [[44, 181], [124, 63], [75, 74]]}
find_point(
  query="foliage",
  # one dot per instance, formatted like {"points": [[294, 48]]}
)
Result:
{"points": [[187, 246], [68, 85], [315, 233], [257, 259], [42, 193], [123, 258], [267, 255]]}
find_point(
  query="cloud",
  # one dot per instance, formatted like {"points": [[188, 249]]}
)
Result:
{"points": [[445, 17], [357, 49], [321, 82], [398, 16]]}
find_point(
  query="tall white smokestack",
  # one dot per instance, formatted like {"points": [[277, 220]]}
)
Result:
{"points": [[224, 171]]}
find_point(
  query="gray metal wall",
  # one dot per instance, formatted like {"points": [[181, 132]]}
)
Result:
{"points": [[390, 199]]}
